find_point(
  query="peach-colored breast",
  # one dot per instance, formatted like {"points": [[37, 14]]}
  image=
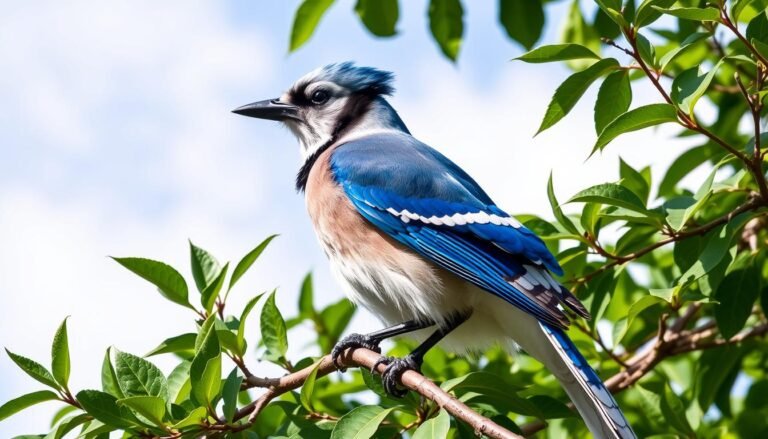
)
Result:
{"points": [[341, 229]]}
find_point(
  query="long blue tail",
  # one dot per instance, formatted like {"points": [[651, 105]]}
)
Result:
{"points": [[588, 393]]}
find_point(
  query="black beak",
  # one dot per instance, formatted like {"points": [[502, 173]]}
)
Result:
{"points": [[271, 109]]}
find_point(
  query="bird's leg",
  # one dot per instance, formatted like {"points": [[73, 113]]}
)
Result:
{"points": [[371, 340], [397, 366]]}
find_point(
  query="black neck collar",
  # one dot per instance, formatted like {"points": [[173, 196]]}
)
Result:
{"points": [[303, 175], [351, 113]]}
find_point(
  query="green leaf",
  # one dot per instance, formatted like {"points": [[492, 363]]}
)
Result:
{"points": [[18, 404], [205, 369], [61, 413], [308, 388], [196, 416], [335, 318], [523, 20], [683, 165], [205, 267], [307, 17], [68, 424], [611, 194], [633, 120], [571, 90], [719, 240], [206, 389], [184, 344], [757, 29], [691, 85], [637, 181], [139, 377], [561, 218], [34, 369], [736, 295], [207, 326], [687, 42], [736, 7], [378, 16], [696, 14], [178, 383], [681, 210], [551, 407], [713, 368], [211, 293], [762, 49], [360, 423], [557, 52], [613, 99], [673, 410], [611, 9], [60, 366], [229, 394], [96, 430], [622, 326], [306, 298], [150, 407], [434, 428], [273, 330], [104, 408], [479, 382], [168, 281], [446, 21], [248, 260], [646, 50], [241, 327], [109, 382], [647, 14], [576, 30], [590, 217]]}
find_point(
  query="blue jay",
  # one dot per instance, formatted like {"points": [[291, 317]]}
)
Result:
{"points": [[415, 240]]}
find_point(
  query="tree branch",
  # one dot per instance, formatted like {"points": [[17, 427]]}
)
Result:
{"points": [[367, 358]]}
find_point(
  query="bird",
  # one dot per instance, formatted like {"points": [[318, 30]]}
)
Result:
{"points": [[414, 239]]}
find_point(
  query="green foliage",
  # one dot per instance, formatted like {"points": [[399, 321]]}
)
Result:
{"points": [[446, 21], [672, 255], [379, 16]]}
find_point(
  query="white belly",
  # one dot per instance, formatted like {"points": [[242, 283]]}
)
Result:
{"points": [[421, 292]]}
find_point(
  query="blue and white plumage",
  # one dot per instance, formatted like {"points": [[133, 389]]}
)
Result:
{"points": [[413, 238]]}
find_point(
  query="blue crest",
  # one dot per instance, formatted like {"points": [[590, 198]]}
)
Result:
{"points": [[354, 78]]}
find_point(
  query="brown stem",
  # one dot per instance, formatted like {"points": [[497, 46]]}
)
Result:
{"points": [[367, 358]]}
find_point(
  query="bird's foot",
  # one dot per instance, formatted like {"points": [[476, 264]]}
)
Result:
{"points": [[353, 341], [394, 372]]}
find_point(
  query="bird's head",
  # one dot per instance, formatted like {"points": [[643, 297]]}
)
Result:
{"points": [[330, 103]]}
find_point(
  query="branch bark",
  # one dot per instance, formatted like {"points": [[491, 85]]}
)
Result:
{"points": [[367, 358]]}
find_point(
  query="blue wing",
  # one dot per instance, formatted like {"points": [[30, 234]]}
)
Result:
{"points": [[426, 202]]}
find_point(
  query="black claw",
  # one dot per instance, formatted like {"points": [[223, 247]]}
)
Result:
{"points": [[394, 372], [353, 341], [381, 360]]}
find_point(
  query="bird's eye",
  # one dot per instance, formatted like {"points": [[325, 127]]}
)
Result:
{"points": [[320, 97]]}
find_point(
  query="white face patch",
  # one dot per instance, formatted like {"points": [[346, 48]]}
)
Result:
{"points": [[459, 219]]}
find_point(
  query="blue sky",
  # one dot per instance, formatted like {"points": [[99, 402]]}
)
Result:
{"points": [[117, 139]]}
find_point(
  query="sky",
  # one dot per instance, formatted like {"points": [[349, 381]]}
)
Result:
{"points": [[117, 139]]}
